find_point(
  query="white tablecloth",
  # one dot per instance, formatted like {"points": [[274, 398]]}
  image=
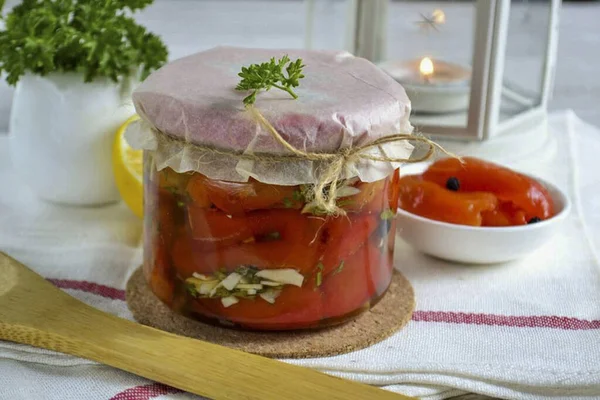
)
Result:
{"points": [[524, 330]]}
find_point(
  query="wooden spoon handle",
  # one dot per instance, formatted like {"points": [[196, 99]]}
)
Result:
{"points": [[191, 365], [34, 312]]}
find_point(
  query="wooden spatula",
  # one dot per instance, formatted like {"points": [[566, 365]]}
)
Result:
{"points": [[34, 312]]}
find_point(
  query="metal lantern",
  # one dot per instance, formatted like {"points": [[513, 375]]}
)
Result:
{"points": [[474, 70]]}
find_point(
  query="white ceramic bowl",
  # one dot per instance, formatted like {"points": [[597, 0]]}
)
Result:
{"points": [[481, 245]]}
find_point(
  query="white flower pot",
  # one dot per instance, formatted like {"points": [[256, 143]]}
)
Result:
{"points": [[61, 133]]}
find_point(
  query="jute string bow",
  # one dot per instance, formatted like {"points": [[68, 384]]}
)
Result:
{"points": [[325, 200]]}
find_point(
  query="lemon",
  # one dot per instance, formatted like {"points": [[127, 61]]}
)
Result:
{"points": [[128, 170]]}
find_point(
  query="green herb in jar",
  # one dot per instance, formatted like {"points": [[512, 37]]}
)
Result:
{"points": [[191, 289], [297, 195], [271, 236], [319, 277], [287, 203], [339, 268], [387, 214], [345, 202]]}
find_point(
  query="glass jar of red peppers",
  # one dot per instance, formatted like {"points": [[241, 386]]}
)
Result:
{"points": [[258, 256], [270, 209]]}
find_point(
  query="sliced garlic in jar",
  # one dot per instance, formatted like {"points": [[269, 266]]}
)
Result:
{"points": [[206, 287], [346, 191], [270, 283], [270, 295], [194, 281], [214, 289], [231, 281], [287, 276], [229, 301], [247, 286], [201, 276]]}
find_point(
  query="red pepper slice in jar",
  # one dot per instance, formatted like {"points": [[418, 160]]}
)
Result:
{"points": [[394, 190], [382, 273], [369, 198], [430, 200], [161, 275], [477, 175], [170, 215], [343, 236], [236, 198], [264, 239], [213, 228], [197, 193], [351, 286], [159, 232]]}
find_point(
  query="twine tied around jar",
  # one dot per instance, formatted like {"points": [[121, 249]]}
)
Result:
{"points": [[325, 200], [323, 193]]}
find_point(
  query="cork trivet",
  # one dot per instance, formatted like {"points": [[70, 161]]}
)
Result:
{"points": [[392, 312]]}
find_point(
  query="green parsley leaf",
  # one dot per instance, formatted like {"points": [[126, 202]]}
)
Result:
{"points": [[264, 76], [319, 277], [387, 214], [191, 289], [339, 268], [345, 202], [272, 236], [98, 39], [298, 195]]}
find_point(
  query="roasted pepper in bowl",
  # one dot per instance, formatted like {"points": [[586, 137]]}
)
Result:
{"points": [[475, 192]]}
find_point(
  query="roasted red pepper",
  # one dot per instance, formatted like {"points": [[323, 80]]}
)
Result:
{"points": [[202, 232], [394, 190], [430, 200], [353, 284], [161, 277], [475, 192], [238, 198], [266, 239], [343, 236]]}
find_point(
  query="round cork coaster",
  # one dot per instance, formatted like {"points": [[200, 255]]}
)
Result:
{"points": [[392, 312]]}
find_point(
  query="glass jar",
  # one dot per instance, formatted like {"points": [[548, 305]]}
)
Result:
{"points": [[258, 256]]}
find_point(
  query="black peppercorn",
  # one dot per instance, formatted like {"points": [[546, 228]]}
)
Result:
{"points": [[534, 220], [453, 184]]}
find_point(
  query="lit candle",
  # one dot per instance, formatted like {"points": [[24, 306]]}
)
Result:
{"points": [[432, 85], [426, 69], [427, 72]]}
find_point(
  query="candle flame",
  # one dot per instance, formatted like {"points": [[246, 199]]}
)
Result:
{"points": [[426, 67], [438, 16]]}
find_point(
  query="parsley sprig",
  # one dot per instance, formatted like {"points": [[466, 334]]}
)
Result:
{"points": [[95, 38], [264, 76]]}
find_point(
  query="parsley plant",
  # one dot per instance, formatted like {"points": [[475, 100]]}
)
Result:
{"points": [[97, 38]]}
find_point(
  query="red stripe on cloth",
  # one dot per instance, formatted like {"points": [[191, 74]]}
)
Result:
{"points": [[535, 321], [90, 287], [145, 392], [539, 321]]}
